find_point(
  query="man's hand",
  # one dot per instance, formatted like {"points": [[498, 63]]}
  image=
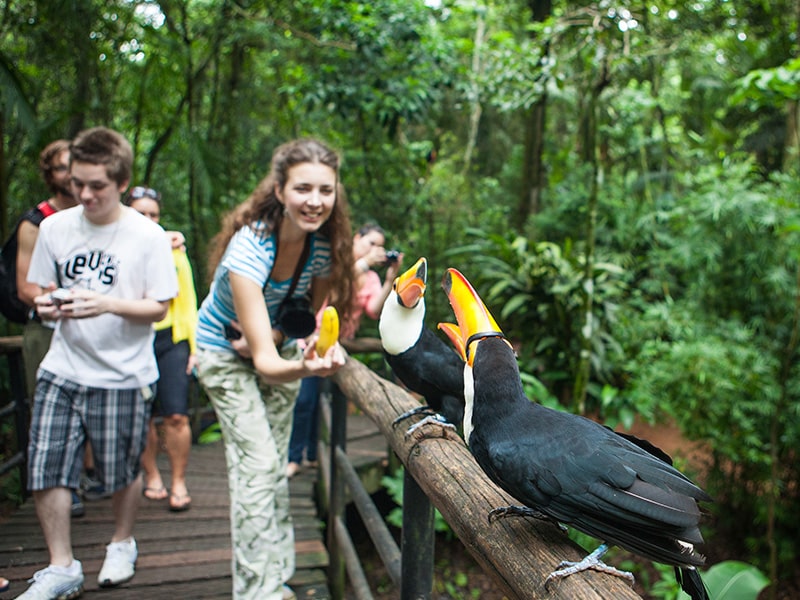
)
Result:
{"points": [[82, 304], [46, 308]]}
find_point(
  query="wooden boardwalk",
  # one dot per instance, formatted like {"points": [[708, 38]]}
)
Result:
{"points": [[185, 555]]}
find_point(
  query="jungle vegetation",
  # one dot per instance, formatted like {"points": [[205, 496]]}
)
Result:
{"points": [[621, 181]]}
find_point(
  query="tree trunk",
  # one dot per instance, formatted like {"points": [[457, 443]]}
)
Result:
{"points": [[475, 100], [590, 144], [533, 180]]}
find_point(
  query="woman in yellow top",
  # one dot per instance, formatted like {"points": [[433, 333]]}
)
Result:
{"points": [[175, 354]]}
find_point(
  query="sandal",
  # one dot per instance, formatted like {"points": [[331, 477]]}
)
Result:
{"points": [[152, 493], [292, 469], [180, 502]]}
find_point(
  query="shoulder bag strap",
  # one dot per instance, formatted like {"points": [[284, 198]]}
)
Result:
{"points": [[299, 267]]}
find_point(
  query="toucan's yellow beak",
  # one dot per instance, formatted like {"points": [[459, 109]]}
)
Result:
{"points": [[474, 319], [410, 285]]}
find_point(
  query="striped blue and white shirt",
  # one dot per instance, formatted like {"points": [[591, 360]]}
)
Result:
{"points": [[251, 253]]}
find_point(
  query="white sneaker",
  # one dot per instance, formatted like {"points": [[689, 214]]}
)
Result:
{"points": [[49, 584], [288, 593], [118, 567]]}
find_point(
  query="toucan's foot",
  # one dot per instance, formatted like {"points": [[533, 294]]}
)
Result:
{"points": [[438, 423], [427, 410], [593, 562], [516, 510]]}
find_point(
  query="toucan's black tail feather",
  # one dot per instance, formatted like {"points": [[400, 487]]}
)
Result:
{"points": [[691, 583]]}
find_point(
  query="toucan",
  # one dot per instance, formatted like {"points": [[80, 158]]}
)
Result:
{"points": [[418, 357], [565, 467]]}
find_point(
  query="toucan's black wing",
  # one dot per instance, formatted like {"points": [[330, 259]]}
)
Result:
{"points": [[586, 476], [433, 370]]}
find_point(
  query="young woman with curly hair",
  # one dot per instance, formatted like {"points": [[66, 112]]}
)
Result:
{"points": [[290, 238]]}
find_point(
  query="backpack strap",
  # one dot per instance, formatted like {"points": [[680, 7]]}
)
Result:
{"points": [[46, 208]]}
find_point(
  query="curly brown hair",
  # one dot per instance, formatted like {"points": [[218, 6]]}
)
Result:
{"points": [[263, 205]]}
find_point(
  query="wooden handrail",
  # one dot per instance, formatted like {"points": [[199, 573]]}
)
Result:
{"points": [[518, 553], [11, 343]]}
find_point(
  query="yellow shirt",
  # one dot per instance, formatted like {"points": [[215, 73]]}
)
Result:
{"points": [[182, 313]]}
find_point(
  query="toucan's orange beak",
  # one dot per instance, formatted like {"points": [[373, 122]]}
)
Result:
{"points": [[453, 333], [475, 322], [410, 285]]}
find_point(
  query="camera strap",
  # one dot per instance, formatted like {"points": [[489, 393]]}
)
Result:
{"points": [[298, 268]]}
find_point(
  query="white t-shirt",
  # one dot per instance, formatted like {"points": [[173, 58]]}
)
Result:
{"points": [[130, 258]]}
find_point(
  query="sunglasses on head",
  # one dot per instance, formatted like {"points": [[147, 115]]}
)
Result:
{"points": [[144, 192]]}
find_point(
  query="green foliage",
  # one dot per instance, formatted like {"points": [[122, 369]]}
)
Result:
{"points": [[718, 352], [769, 87], [734, 580], [210, 435], [536, 293], [11, 492], [719, 386], [393, 484]]}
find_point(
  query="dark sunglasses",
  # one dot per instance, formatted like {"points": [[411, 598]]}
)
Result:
{"points": [[144, 192]]}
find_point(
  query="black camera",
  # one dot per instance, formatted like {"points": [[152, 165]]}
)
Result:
{"points": [[392, 256], [295, 318], [231, 333]]}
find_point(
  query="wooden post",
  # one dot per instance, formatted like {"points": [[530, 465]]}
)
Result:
{"points": [[518, 553], [417, 542], [336, 506]]}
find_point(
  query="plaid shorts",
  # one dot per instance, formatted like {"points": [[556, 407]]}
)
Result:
{"points": [[66, 414]]}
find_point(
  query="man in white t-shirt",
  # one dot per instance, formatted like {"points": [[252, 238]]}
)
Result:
{"points": [[114, 273]]}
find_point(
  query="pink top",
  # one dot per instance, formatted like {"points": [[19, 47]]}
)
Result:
{"points": [[370, 287]]}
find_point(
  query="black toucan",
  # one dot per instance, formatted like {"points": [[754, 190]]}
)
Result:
{"points": [[565, 467], [418, 356]]}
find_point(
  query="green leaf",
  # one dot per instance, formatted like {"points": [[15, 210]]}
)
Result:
{"points": [[734, 580]]}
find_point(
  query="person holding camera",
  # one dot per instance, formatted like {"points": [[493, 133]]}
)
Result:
{"points": [[369, 296], [369, 252], [279, 255]]}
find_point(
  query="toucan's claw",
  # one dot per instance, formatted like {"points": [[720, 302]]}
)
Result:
{"points": [[593, 562], [427, 410], [516, 510], [438, 422]]}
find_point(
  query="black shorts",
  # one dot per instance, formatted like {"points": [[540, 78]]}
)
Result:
{"points": [[172, 391]]}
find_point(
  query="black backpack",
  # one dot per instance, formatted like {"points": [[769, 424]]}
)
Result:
{"points": [[11, 306]]}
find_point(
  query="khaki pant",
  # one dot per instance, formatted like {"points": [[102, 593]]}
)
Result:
{"points": [[35, 344], [256, 422]]}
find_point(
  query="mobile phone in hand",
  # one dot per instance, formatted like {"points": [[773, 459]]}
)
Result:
{"points": [[61, 296]]}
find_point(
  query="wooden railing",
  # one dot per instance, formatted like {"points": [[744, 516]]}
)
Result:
{"points": [[518, 553]]}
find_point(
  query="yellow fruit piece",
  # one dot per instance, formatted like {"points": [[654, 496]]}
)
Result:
{"points": [[328, 330]]}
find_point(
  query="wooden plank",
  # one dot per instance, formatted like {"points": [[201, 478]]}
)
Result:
{"points": [[187, 555], [181, 555]]}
